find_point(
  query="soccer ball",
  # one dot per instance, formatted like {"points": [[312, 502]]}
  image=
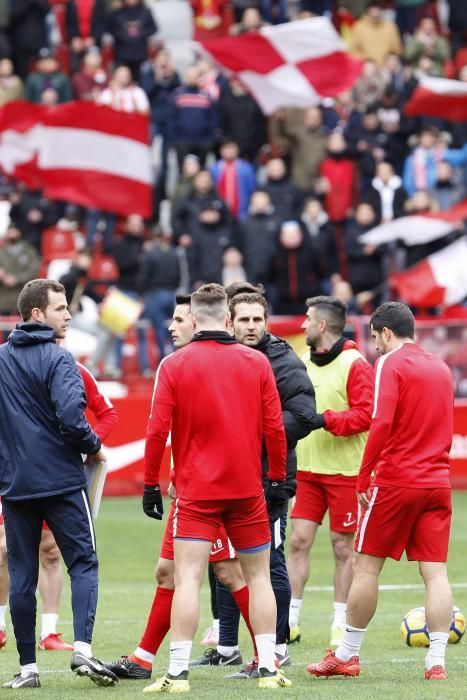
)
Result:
{"points": [[414, 629], [457, 626]]}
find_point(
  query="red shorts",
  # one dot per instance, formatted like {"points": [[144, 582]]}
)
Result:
{"points": [[246, 521], [415, 520], [167, 546], [317, 493], [222, 547]]}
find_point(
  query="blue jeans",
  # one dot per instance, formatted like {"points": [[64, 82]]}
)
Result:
{"points": [[158, 307], [93, 217]]}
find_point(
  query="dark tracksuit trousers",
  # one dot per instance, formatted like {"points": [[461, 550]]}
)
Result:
{"points": [[69, 518], [229, 614]]}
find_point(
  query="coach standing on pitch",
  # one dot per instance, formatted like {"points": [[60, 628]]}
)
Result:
{"points": [[408, 505], [43, 433]]}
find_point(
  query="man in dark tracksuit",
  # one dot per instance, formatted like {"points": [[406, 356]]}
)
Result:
{"points": [[43, 433], [249, 318]]}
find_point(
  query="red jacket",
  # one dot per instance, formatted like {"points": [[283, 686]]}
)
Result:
{"points": [[340, 198], [219, 398]]}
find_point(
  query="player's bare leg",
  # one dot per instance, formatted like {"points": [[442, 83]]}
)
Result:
{"points": [[438, 610], [298, 565], [50, 589], [361, 607], [4, 586], [342, 547]]}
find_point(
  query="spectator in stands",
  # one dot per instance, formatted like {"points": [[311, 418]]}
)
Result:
{"points": [[131, 25], [19, 263], [258, 235], [76, 286], [212, 234], [234, 178], [211, 80], [386, 194], [5, 45], [394, 72], [85, 25], [242, 120], [11, 85], [89, 82], [305, 142], [159, 280], [232, 267], [365, 261], [287, 197], [337, 179], [367, 141], [449, 189], [47, 74], [28, 32], [190, 168], [407, 14], [128, 253], [373, 36], [315, 222], [251, 20], [369, 87], [192, 119], [457, 24], [295, 273], [211, 18], [420, 167], [124, 94], [428, 42], [159, 79], [33, 213], [202, 195]]}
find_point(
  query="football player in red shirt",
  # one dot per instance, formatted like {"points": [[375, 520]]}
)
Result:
{"points": [[217, 459], [407, 507]]}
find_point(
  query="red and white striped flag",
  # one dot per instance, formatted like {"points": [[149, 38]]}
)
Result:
{"points": [[438, 97], [417, 229], [289, 65], [79, 152], [439, 280]]}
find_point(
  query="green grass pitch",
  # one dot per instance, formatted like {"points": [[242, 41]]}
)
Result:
{"points": [[128, 545]]}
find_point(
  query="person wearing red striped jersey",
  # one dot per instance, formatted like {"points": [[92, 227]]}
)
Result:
{"points": [[407, 507], [328, 459], [51, 573], [217, 458]]}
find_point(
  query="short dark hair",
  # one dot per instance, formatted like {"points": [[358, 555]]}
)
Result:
{"points": [[395, 316], [332, 309], [246, 298], [183, 299], [244, 288], [209, 301], [35, 295]]}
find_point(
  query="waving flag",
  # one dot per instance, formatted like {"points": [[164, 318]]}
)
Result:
{"points": [[417, 229], [289, 65], [80, 152], [439, 280], [438, 97]]}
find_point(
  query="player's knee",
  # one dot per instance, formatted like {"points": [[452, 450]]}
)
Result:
{"points": [[228, 575], [50, 556], [343, 548], [299, 543], [3, 552], [165, 573]]}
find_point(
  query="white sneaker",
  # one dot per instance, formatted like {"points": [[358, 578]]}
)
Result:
{"points": [[337, 632], [210, 637]]}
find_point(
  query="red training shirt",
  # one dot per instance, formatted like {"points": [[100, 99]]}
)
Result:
{"points": [[99, 404], [219, 399], [411, 431]]}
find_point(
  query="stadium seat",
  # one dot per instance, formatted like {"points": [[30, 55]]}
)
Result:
{"points": [[102, 274], [57, 243]]}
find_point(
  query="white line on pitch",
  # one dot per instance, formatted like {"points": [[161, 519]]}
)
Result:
{"points": [[385, 587]]}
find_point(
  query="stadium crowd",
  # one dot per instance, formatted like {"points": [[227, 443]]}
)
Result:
{"points": [[238, 196]]}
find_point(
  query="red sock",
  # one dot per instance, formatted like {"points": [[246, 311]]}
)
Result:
{"points": [[242, 598], [158, 623]]}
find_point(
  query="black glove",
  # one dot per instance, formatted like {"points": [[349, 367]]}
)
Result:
{"points": [[318, 422], [152, 502], [276, 493]]}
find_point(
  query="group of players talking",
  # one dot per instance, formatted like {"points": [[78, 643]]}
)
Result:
{"points": [[252, 427]]}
